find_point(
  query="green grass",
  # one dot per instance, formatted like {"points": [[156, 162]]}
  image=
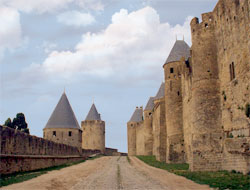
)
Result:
{"points": [[24, 176], [150, 160], [220, 180]]}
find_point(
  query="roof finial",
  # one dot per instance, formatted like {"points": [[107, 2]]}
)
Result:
{"points": [[183, 38], [64, 90]]}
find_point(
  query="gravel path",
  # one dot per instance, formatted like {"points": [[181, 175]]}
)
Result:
{"points": [[109, 173]]}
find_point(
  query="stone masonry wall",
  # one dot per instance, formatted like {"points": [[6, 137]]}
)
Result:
{"points": [[131, 135], [23, 152], [110, 151], [174, 114], [236, 155], [15, 142], [220, 87], [186, 99], [231, 19], [93, 135], [207, 133], [159, 130], [72, 137], [206, 97], [148, 135], [140, 145]]}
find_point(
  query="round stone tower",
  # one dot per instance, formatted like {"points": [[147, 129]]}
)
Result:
{"points": [[62, 126], [148, 126], [206, 115], [93, 131], [135, 122], [173, 102]]}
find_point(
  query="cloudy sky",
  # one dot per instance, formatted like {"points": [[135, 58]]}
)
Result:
{"points": [[110, 52]]}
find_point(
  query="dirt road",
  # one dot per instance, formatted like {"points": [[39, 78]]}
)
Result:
{"points": [[108, 173]]}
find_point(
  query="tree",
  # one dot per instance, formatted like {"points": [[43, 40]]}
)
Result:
{"points": [[18, 123], [8, 123]]}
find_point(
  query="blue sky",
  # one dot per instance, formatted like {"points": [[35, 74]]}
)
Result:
{"points": [[110, 52]]}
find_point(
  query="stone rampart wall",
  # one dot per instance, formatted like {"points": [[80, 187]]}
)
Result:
{"points": [[22, 152], [15, 142], [110, 151]]}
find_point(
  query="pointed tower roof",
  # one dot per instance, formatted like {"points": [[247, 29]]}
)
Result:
{"points": [[150, 104], [180, 49], [161, 92], [63, 115], [137, 115], [93, 114]]}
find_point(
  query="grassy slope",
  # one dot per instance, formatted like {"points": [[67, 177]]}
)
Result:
{"points": [[221, 179]]}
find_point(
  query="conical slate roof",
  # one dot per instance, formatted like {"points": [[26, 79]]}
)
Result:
{"points": [[180, 49], [137, 115], [150, 104], [161, 92], [93, 114], [63, 115]]}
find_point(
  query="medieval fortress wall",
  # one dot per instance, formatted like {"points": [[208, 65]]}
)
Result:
{"points": [[207, 93], [22, 152], [64, 141]]}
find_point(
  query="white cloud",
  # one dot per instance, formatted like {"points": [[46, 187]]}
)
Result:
{"points": [[42, 6], [10, 29], [134, 46], [48, 46], [39, 6], [96, 5], [75, 18]]}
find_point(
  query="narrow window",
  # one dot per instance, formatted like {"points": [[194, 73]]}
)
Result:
{"points": [[170, 85], [70, 133], [54, 133], [178, 93], [206, 25], [233, 70], [171, 70], [230, 70]]}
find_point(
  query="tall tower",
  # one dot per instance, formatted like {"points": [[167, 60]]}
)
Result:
{"points": [[93, 131], [135, 122], [148, 126], [62, 126], [159, 125], [207, 132], [173, 98]]}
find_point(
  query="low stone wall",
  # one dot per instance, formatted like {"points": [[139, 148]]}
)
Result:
{"points": [[21, 152], [15, 142], [110, 151], [21, 163]]}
